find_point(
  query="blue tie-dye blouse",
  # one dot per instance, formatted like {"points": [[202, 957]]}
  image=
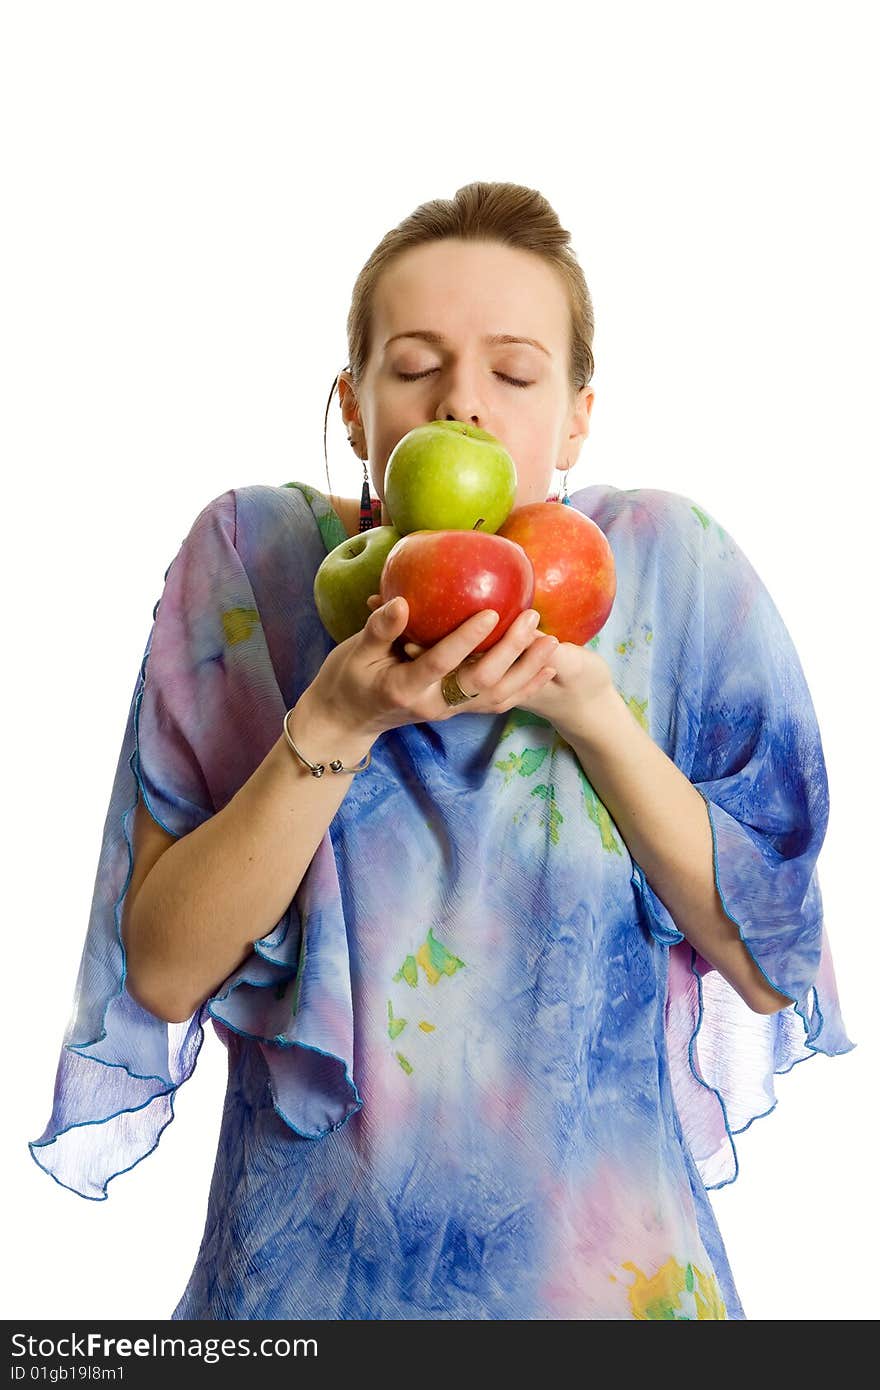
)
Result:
{"points": [[475, 1071]]}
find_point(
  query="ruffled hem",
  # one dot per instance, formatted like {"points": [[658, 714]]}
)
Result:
{"points": [[295, 993], [118, 1109], [723, 1056], [121, 1066]]}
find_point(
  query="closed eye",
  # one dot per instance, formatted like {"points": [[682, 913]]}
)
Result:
{"points": [[415, 376]]}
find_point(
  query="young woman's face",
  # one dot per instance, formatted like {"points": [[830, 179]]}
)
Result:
{"points": [[464, 292]]}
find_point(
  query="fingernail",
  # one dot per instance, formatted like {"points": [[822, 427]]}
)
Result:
{"points": [[489, 618], [534, 617]]}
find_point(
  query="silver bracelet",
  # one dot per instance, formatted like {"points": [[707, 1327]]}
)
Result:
{"points": [[318, 769]]}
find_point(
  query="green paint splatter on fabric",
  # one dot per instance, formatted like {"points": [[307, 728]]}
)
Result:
{"points": [[408, 971], [598, 814], [524, 763], [518, 718], [407, 1066], [395, 1025], [706, 521], [554, 817], [330, 525], [435, 959]]}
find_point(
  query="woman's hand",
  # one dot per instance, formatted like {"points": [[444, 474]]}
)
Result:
{"points": [[563, 696], [367, 686]]}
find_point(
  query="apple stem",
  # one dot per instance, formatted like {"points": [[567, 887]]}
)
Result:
{"points": [[478, 523]]}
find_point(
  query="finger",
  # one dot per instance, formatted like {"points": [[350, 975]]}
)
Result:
{"points": [[452, 649], [373, 601], [529, 673], [542, 677], [533, 662], [498, 660], [386, 622]]}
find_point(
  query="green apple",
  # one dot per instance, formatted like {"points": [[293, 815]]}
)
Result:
{"points": [[448, 476], [347, 576]]}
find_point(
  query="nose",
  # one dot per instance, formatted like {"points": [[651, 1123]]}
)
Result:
{"points": [[449, 410], [458, 401]]}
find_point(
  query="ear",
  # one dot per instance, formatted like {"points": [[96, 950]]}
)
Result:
{"points": [[348, 402], [580, 419]]}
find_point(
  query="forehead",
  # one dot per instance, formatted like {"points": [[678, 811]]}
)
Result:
{"points": [[456, 287]]}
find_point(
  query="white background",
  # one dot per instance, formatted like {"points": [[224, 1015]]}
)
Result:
{"points": [[190, 191]]}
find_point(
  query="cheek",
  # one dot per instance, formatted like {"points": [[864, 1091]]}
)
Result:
{"points": [[390, 423], [529, 447]]}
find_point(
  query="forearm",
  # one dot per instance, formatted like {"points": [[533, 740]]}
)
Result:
{"points": [[225, 885], [664, 822]]}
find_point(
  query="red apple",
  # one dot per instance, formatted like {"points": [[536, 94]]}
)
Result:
{"points": [[575, 578], [448, 576]]}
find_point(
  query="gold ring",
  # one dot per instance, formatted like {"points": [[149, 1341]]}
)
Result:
{"points": [[452, 691]]}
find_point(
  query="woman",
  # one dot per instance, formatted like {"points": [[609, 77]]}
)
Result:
{"points": [[499, 987]]}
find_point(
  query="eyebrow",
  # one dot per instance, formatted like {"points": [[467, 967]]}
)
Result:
{"points": [[492, 338]]}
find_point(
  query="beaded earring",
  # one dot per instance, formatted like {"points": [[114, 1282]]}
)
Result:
{"points": [[562, 497], [371, 507]]}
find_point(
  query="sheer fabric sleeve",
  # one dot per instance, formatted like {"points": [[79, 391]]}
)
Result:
{"points": [[757, 761], [205, 710]]}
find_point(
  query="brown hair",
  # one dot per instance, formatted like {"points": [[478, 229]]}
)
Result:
{"points": [[505, 212]]}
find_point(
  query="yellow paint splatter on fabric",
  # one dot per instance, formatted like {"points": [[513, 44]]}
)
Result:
{"points": [[627, 645], [639, 708], [238, 624], [434, 958], [676, 1293], [426, 1027]]}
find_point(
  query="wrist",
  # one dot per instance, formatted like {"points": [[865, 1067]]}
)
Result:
{"points": [[321, 735], [598, 716]]}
